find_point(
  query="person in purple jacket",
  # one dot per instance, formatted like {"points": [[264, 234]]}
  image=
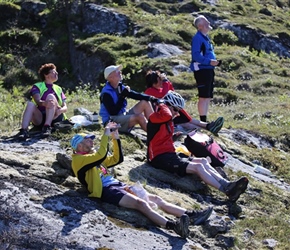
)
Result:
{"points": [[203, 64], [47, 105]]}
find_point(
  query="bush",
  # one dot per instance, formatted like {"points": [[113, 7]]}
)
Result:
{"points": [[19, 77], [9, 11]]}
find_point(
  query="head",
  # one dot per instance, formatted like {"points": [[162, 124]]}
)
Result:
{"points": [[153, 79], [82, 143], [202, 24], [174, 101], [48, 73], [113, 74]]}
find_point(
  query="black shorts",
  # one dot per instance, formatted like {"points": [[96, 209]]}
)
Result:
{"points": [[204, 80], [171, 162], [57, 119], [113, 193]]}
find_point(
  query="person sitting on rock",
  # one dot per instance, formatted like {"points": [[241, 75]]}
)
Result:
{"points": [[47, 105], [158, 86], [114, 104], [161, 150], [90, 166]]}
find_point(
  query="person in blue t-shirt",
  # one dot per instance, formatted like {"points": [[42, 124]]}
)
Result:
{"points": [[203, 64]]}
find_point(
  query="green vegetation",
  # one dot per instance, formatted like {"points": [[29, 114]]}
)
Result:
{"points": [[252, 87]]}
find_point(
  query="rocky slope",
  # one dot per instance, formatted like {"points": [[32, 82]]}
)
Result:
{"points": [[44, 207]]}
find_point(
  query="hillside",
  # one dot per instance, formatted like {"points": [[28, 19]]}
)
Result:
{"points": [[44, 207]]}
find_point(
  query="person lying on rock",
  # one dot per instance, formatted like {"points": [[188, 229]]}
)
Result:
{"points": [[90, 166], [161, 150], [113, 102], [158, 86]]}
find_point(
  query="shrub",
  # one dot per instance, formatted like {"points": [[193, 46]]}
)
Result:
{"points": [[19, 77]]}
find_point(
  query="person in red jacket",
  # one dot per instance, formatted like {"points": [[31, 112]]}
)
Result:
{"points": [[158, 86], [161, 150]]}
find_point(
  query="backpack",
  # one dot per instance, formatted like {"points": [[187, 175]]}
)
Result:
{"points": [[202, 145]]}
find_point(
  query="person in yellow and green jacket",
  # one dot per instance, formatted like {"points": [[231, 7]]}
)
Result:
{"points": [[90, 166], [47, 105]]}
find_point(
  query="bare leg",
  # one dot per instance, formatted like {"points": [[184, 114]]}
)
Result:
{"points": [[203, 105], [166, 206], [138, 119], [143, 107], [132, 201], [31, 114], [51, 108], [201, 167]]}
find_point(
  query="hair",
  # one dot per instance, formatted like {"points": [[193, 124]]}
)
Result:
{"points": [[152, 77], [44, 70], [198, 19]]}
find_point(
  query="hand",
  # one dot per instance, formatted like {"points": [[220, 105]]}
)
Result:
{"points": [[163, 76], [214, 62], [153, 99], [112, 129]]}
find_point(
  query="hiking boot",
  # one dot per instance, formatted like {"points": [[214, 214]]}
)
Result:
{"points": [[23, 134], [181, 226], [199, 217], [46, 131], [215, 127], [235, 189]]}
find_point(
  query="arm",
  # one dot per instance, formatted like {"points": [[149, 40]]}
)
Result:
{"points": [[162, 115], [166, 86], [196, 54], [138, 96]]}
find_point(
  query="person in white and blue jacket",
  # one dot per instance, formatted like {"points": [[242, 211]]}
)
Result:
{"points": [[113, 102], [203, 64]]}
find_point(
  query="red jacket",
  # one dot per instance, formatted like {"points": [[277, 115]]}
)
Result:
{"points": [[159, 93], [159, 132]]}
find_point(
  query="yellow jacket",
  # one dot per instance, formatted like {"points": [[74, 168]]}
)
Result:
{"points": [[88, 168]]}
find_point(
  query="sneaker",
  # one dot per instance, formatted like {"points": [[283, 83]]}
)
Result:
{"points": [[235, 189], [199, 217], [23, 134], [46, 130], [181, 226], [215, 127]]}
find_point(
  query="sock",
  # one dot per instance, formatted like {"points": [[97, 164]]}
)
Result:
{"points": [[189, 213], [46, 125], [203, 118], [224, 184], [170, 224]]}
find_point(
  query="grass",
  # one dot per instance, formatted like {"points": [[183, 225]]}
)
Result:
{"points": [[252, 87]]}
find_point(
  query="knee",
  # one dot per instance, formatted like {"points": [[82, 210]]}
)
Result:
{"points": [[142, 205], [157, 199]]}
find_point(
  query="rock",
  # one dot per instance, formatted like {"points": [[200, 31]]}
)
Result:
{"points": [[157, 50]]}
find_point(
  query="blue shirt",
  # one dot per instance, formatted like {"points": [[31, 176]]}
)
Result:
{"points": [[202, 52]]}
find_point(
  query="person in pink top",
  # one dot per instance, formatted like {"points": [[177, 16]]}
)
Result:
{"points": [[158, 86]]}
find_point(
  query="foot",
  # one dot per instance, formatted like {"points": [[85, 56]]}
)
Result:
{"points": [[235, 189], [181, 226], [23, 134], [215, 127], [199, 217], [46, 131]]}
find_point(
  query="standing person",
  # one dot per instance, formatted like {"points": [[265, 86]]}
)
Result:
{"points": [[161, 151], [114, 104], [90, 166], [158, 85], [203, 63], [48, 103]]}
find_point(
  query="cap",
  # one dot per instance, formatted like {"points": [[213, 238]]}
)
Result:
{"points": [[111, 69], [78, 138]]}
